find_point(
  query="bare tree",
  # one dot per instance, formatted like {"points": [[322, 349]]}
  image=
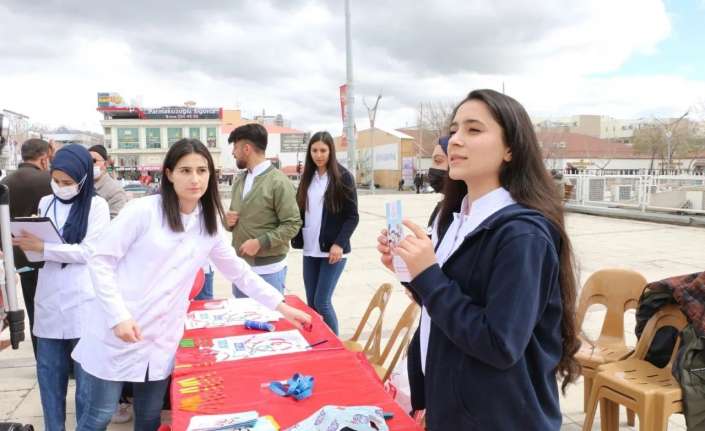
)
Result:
{"points": [[650, 140]]}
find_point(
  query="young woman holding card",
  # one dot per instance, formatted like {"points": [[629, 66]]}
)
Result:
{"points": [[496, 281], [143, 269], [328, 204], [64, 283]]}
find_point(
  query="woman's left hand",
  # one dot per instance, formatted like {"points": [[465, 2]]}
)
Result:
{"points": [[28, 242], [297, 317], [335, 254], [416, 250]]}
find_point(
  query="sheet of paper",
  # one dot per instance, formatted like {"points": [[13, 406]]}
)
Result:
{"points": [[258, 345], [217, 422], [41, 227], [231, 312], [395, 232]]}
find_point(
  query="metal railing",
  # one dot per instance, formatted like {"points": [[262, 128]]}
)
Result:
{"points": [[678, 194]]}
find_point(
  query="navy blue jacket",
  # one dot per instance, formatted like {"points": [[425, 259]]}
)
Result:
{"points": [[336, 228], [495, 337]]}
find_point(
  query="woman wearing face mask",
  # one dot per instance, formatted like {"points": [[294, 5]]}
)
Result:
{"points": [[328, 204], [438, 172], [64, 284], [142, 270], [496, 281]]}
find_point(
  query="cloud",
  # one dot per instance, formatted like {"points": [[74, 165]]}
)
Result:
{"points": [[289, 56]]}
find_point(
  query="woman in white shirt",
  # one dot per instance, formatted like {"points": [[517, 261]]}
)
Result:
{"points": [[328, 205], [143, 269], [64, 283]]}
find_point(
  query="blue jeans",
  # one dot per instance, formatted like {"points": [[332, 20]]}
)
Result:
{"points": [[54, 364], [276, 279], [102, 398], [207, 290], [320, 278]]}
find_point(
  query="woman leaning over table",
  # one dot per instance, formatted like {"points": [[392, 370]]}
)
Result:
{"points": [[328, 204], [64, 283], [143, 270], [499, 291]]}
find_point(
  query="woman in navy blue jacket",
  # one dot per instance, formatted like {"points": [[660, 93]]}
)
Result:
{"points": [[496, 281], [328, 203]]}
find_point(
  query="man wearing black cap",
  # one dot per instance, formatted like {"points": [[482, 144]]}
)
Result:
{"points": [[105, 186]]}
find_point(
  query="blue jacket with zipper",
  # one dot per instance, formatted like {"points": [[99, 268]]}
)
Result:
{"points": [[495, 337]]}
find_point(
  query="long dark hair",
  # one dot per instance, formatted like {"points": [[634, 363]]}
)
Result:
{"points": [[336, 191], [212, 209], [528, 182]]}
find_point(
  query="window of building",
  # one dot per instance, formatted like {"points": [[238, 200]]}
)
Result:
{"points": [[174, 134], [194, 133], [128, 138], [154, 137], [211, 139]]}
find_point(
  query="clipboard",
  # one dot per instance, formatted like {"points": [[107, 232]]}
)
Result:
{"points": [[41, 227]]}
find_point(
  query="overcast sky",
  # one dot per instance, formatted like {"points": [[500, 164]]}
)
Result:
{"points": [[626, 58]]}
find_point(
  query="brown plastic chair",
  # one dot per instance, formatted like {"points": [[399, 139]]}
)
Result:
{"points": [[649, 391], [373, 347], [405, 325], [618, 290]]}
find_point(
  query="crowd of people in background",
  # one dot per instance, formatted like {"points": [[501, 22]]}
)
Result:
{"points": [[107, 305]]}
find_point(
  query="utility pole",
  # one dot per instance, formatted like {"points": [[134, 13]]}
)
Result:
{"points": [[350, 99], [372, 114]]}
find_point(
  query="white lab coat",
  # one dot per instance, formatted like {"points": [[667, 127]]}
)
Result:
{"points": [[61, 292], [143, 270]]}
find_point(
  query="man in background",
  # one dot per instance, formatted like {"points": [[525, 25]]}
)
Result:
{"points": [[263, 215], [105, 186], [28, 184]]}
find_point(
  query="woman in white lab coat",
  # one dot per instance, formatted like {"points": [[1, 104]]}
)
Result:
{"points": [[64, 283], [143, 269]]}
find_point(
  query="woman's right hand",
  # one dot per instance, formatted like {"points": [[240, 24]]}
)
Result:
{"points": [[385, 250], [128, 331]]}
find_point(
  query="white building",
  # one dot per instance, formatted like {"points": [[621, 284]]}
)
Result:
{"points": [[138, 139]]}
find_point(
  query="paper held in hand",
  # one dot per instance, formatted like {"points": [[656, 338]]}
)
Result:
{"points": [[41, 227], [395, 232]]}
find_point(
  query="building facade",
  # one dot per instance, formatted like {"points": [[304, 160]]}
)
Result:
{"points": [[386, 155], [138, 139]]}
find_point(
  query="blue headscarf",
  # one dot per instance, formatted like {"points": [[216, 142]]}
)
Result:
{"points": [[443, 142], [75, 161]]}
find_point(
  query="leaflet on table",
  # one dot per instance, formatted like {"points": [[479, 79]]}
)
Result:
{"points": [[362, 418], [244, 421], [258, 345], [395, 232], [232, 312]]}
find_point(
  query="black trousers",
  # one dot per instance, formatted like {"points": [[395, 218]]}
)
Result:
{"points": [[29, 288]]}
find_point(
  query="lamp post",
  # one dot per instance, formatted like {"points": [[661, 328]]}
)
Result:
{"points": [[350, 99]]}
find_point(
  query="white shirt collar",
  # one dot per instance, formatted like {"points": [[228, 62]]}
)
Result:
{"points": [[320, 177], [487, 204], [260, 168]]}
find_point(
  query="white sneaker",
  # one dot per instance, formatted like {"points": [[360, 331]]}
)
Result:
{"points": [[123, 414]]}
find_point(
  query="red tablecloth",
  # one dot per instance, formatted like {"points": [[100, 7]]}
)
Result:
{"points": [[341, 378]]}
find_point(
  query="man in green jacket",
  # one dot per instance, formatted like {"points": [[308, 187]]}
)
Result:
{"points": [[263, 215]]}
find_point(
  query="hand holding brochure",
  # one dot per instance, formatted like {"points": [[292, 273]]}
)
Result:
{"points": [[41, 227], [395, 232]]}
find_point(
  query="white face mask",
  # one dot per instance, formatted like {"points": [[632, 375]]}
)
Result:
{"points": [[64, 193], [96, 172]]}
